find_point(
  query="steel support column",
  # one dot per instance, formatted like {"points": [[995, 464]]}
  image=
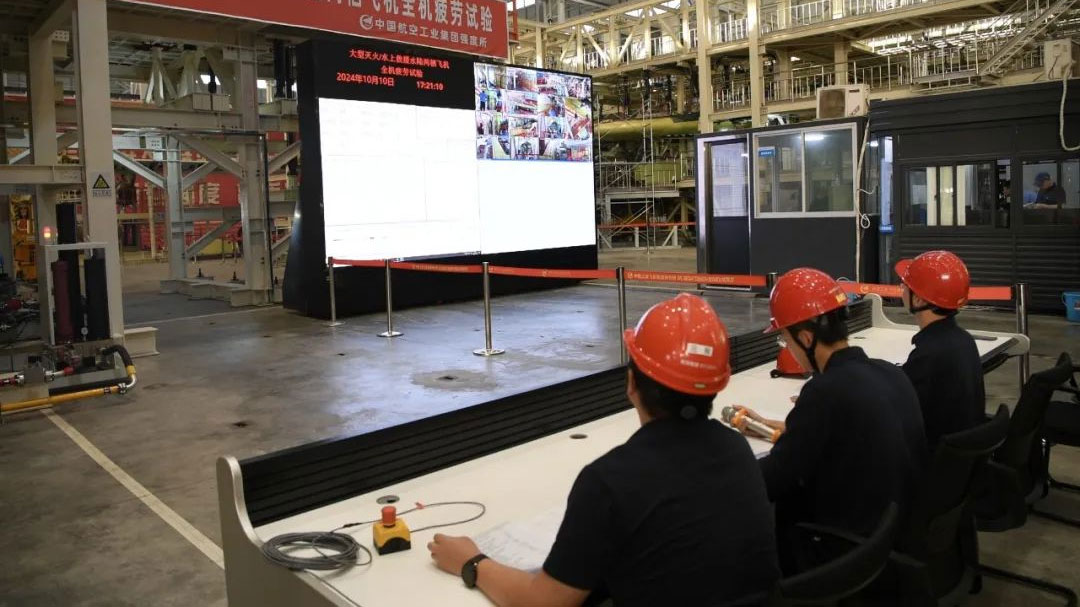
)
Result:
{"points": [[43, 140], [757, 85], [704, 69], [174, 210], [840, 59], [254, 214], [93, 106]]}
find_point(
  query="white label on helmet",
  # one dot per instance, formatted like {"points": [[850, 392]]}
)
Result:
{"points": [[701, 349]]}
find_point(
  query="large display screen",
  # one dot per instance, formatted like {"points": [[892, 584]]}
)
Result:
{"points": [[427, 156]]}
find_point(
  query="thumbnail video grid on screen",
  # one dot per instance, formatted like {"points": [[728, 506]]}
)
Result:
{"points": [[526, 114], [404, 181]]}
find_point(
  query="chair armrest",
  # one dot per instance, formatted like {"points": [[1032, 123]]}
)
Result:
{"points": [[831, 532]]}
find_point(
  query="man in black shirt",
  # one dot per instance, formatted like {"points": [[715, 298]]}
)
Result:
{"points": [[1050, 195], [854, 441], [945, 366], [675, 516]]}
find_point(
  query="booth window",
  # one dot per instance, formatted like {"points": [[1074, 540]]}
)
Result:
{"points": [[954, 195], [780, 173], [1051, 192], [808, 172]]}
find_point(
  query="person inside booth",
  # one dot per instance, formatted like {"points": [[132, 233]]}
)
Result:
{"points": [[677, 515], [854, 442], [944, 366]]}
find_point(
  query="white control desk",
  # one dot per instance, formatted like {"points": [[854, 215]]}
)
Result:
{"points": [[515, 484]]}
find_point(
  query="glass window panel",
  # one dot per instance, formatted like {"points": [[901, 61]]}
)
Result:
{"points": [[1046, 200], [830, 177], [779, 161], [729, 188], [931, 196], [946, 195], [916, 211], [1004, 194]]}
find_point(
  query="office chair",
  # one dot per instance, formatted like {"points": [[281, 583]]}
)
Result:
{"points": [[1060, 427], [1013, 476], [936, 557], [845, 576]]}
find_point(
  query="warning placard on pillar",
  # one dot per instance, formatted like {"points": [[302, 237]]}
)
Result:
{"points": [[101, 187]]}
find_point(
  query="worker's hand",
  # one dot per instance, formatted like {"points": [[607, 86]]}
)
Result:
{"points": [[450, 553], [754, 415]]}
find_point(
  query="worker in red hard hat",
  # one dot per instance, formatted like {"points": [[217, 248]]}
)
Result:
{"points": [[944, 366], [854, 441], [677, 515]]}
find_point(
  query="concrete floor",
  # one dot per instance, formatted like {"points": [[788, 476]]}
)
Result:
{"points": [[245, 382]]}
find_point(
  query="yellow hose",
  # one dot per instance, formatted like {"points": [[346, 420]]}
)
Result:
{"points": [[59, 398]]}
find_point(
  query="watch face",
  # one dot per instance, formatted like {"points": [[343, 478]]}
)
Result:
{"points": [[468, 574]]}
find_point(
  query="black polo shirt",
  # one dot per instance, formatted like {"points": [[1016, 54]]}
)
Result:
{"points": [[854, 442], [675, 516], [947, 373]]}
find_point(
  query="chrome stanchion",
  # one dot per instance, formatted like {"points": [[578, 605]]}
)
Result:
{"points": [[389, 332], [770, 282], [1020, 292], [487, 350], [620, 280], [333, 296]]}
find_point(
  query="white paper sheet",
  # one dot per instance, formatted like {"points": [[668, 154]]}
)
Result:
{"points": [[525, 543]]}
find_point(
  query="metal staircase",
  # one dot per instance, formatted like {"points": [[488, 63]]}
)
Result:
{"points": [[1032, 32]]}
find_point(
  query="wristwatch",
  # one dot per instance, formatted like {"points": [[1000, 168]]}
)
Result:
{"points": [[468, 570]]}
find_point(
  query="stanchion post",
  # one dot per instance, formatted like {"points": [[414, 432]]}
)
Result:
{"points": [[770, 282], [333, 295], [487, 350], [620, 280], [389, 332], [1020, 292]]}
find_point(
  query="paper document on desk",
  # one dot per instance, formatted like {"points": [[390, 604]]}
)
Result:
{"points": [[523, 544]]}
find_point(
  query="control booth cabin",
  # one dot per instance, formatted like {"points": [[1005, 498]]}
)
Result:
{"points": [[517, 455]]}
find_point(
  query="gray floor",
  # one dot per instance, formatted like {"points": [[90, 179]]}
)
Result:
{"points": [[251, 381]]}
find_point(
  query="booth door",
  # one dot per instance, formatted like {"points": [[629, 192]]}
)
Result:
{"points": [[727, 206]]}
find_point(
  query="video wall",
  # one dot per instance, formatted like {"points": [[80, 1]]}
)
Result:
{"points": [[409, 176], [415, 154], [526, 114]]}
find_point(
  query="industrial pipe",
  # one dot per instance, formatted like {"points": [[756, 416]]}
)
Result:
{"points": [[119, 387]]}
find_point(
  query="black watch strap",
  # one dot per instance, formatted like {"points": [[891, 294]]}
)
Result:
{"points": [[468, 570]]}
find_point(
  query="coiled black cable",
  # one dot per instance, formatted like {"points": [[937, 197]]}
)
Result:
{"points": [[345, 549]]}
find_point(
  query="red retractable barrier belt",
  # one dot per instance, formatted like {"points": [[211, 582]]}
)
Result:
{"points": [[863, 288], [356, 263], [437, 267], [975, 294], [542, 273], [991, 293], [735, 280]]}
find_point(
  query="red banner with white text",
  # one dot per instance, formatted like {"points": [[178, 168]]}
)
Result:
{"points": [[477, 27]]}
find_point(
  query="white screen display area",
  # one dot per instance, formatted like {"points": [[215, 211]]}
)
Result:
{"points": [[515, 173], [398, 180]]}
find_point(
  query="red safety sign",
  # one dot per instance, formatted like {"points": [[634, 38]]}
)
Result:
{"points": [[477, 27]]}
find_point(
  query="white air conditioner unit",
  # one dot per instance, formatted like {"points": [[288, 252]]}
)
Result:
{"points": [[1057, 54], [842, 101]]}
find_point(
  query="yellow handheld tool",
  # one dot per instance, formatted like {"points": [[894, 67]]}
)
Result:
{"points": [[391, 534]]}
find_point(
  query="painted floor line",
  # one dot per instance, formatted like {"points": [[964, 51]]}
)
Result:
{"points": [[146, 323], [171, 518]]}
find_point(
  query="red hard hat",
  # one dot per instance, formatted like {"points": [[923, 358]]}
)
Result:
{"points": [[787, 364], [802, 294], [939, 277], [681, 344]]}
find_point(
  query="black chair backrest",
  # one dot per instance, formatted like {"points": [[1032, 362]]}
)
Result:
{"points": [[1021, 450], [848, 574], [946, 488]]}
